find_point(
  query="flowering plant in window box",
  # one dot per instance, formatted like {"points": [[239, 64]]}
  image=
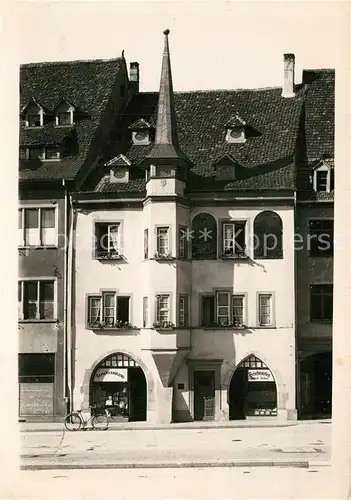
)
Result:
{"points": [[117, 325], [105, 255], [163, 256], [236, 325], [163, 325], [231, 254]]}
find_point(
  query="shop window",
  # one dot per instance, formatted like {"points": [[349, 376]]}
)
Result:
{"points": [[108, 240], [163, 242], [36, 368], [265, 311], [37, 227], [321, 237], [223, 309], [321, 302], [36, 300], [204, 237], [233, 239], [108, 310], [268, 236], [183, 318]]}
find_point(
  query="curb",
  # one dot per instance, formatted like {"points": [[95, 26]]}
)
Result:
{"points": [[302, 464]]}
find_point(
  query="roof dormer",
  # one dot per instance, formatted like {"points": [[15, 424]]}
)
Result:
{"points": [[236, 128], [119, 169], [227, 168], [323, 176], [64, 113], [33, 114], [141, 132]]}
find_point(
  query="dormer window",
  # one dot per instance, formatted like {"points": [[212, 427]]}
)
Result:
{"points": [[140, 132], [33, 114], [227, 168], [119, 169], [323, 178], [64, 114], [42, 153], [236, 130]]}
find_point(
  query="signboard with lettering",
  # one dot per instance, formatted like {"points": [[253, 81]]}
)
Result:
{"points": [[111, 375], [257, 375]]}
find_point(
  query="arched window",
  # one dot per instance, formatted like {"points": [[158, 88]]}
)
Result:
{"points": [[268, 236], [204, 237]]}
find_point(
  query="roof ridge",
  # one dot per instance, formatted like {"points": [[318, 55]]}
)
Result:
{"points": [[75, 61]]}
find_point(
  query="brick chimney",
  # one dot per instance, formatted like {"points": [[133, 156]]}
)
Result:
{"points": [[134, 77], [289, 76]]}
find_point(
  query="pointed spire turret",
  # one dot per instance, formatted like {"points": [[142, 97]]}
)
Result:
{"points": [[166, 140]]}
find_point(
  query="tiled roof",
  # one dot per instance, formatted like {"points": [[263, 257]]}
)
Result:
{"points": [[88, 85], [319, 114], [140, 125], [272, 123]]}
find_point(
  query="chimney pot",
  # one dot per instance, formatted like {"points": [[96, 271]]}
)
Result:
{"points": [[289, 76]]}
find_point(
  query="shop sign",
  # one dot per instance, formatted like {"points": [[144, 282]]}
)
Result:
{"points": [[259, 376], [111, 375]]}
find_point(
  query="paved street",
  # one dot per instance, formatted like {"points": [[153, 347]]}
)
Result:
{"points": [[301, 442], [175, 484]]}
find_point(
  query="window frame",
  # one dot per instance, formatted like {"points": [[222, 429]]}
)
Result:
{"points": [[271, 295], [320, 320], [101, 296], [158, 227], [232, 295], [183, 242], [106, 254], [146, 244], [322, 219], [183, 299], [38, 301], [329, 178], [39, 207], [234, 223], [169, 309], [43, 157], [145, 311], [40, 113]]}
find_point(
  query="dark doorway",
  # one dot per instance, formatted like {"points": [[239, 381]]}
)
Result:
{"points": [[204, 395], [316, 386], [252, 390], [137, 395]]}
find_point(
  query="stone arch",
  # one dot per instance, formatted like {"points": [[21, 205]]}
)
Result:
{"points": [[202, 247], [268, 235], [150, 382], [280, 386]]}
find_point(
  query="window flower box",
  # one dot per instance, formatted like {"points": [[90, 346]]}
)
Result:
{"points": [[163, 325], [233, 326], [163, 256], [104, 255], [118, 325], [234, 255]]}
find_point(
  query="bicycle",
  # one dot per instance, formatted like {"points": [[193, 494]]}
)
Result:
{"points": [[75, 420]]}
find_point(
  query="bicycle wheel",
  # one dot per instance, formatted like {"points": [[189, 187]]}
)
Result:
{"points": [[100, 422], [73, 422]]}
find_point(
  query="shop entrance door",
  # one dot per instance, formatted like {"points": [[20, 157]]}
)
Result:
{"points": [[204, 395], [237, 395], [137, 395]]}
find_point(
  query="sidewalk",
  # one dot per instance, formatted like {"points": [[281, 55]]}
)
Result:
{"points": [[130, 426]]}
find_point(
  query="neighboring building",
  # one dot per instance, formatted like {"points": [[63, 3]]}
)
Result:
{"points": [[67, 109], [314, 262], [199, 327]]}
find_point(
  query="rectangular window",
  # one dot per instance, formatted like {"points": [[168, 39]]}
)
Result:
{"points": [[37, 227], [162, 309], [36, 153], [108, 239], [146, 243], [208, 310], [322, 180], [183, 318], [238, 310], [64, 119], [321, 237], [163, 241], [22, 153], [36, 299], [321, 302], [34, 120], [145, 312], [233, 238], [110, 309], [52, 153], [36, 368], [184, 236], [265, 309], [223, 308]]}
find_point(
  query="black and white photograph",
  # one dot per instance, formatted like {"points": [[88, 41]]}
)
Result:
{"points": [[182, 277]]}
